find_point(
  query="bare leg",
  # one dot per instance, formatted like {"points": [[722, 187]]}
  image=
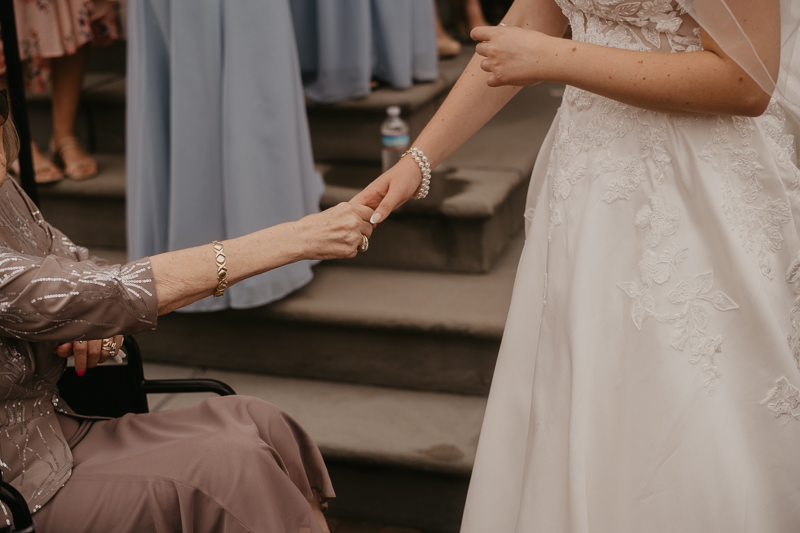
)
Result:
{"points": [[475, 16], [68, 74]]}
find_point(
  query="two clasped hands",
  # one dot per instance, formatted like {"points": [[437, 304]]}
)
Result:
{"points": [[185, 276]]}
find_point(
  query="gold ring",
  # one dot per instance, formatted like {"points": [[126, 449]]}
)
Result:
{"points": [[110, 346], [365, 246]]}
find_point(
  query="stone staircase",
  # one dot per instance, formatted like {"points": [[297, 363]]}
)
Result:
{"points": [[386, 359]]}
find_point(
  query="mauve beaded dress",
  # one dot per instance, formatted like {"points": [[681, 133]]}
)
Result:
{"points": [[231, 464]]}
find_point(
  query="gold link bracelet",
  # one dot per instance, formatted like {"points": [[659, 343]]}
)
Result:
{"points": [[222, 269]]}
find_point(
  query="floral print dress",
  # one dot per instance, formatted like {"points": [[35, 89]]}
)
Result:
{"points": [[55, 28]]}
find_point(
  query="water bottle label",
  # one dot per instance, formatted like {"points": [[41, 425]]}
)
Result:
{"points": [[397, 142]]}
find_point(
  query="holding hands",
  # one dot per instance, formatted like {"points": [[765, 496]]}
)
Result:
{"points": [[336, 233], [390, 190], [513, 57]]}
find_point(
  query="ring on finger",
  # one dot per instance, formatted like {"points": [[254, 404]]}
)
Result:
{"points": [[365, 244], [110, 346]]}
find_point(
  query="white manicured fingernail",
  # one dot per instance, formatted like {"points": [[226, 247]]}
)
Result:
{"points": [[118, 357], [502, 24], [376, 217]]}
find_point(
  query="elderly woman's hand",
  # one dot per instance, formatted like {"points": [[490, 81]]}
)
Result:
{"points": [[336, 233], [88, 354], [185, 276]]}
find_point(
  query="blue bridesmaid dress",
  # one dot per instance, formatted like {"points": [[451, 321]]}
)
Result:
{"points": [[343, 44], [218, 140]]}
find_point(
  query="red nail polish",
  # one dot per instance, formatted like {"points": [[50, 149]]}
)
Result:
{"points": [[81, 372]]}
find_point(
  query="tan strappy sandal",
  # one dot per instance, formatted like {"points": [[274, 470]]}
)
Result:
{"points": [[44, 170], [81, 169]]}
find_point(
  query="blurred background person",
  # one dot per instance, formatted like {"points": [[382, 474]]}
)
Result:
{"points": [[217, 135], [54, 40], [347, 48]]}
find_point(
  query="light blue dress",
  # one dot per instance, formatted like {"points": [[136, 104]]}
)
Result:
{"points": [[343, 44], [218, 141]]}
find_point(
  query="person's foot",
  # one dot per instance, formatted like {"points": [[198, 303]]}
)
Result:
{"points": [[44, 170], [78, 165], [447, 46]]}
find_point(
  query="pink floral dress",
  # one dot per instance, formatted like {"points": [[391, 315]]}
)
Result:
{"points": [[55, 28]]}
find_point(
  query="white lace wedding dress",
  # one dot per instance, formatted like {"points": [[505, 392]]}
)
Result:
{"points": [[648, 377]]}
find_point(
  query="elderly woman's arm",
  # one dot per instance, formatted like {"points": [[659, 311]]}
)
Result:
{"points": [[60, 299], [186, 276]]}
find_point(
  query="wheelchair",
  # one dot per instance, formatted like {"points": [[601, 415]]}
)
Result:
{"points": [[109, 391]]}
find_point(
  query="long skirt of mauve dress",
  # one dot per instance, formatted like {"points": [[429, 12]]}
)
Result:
{"points": [[218, 144], [233, 464]]}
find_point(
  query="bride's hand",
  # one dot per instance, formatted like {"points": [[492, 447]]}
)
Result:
{"points": [[514, 56], [336, 233], [391, 189]]}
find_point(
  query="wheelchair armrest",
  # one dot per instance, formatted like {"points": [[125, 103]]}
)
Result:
{"points": [[171, 386]]}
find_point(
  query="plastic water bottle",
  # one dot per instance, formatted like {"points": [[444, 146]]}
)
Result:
{"points": [[394, 134]]}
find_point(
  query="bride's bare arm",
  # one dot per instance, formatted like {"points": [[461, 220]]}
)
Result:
{"points": [[705, 82], [470, 104]]}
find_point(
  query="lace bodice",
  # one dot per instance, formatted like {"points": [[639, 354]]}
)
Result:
{"points": [[652, 26]]}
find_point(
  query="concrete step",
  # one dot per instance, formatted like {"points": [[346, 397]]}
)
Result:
{"points": [[474, 208], [91, 212], [405, 329], [347, 131], [462, 226], [401, 457], [477, 197], [350, 131]]}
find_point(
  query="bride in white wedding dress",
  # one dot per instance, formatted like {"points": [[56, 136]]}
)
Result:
{"points": [[648, 377]]}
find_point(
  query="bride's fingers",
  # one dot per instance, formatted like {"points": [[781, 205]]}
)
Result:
{"points": [[482, 33], [370, 197], [486, 65], [494, 81], [394, 199]]}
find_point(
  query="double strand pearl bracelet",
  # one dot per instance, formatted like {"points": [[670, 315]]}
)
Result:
{"points": [[425, 168]]}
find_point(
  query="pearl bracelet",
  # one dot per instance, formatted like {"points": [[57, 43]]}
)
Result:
{"points": [[425, 168]]}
